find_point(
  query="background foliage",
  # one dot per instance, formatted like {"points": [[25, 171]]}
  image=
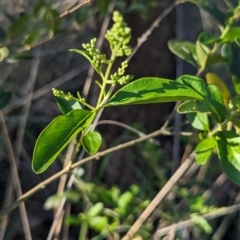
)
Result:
{"points": [[34, 59]]}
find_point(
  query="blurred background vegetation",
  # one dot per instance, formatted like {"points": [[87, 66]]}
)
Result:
{"points": [[111, 193]]}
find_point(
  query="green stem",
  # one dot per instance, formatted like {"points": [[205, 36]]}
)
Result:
{"points": [[105, 78], [83, 231]]}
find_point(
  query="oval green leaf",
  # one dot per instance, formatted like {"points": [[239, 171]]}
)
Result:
{"points": [[204, 150], [228, 147], [185, 50], [198, 120], [230, 35], [192, 106], [215, 103], [95, 210], [153, 90], [91, 142], [212, 96], [55, 137]]}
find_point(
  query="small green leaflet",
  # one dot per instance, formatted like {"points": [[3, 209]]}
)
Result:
{"points": [[91, 142], [56, 136], [199, 120], [204, 150], [185, 50]]}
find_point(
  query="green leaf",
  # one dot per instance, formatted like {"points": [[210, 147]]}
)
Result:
{"points": [[51, 17], [24, 56], [185, 50], [88, 57], [206, 38], [19, 26], [91, 142], [236, 84], [5, 98], [230, 35], [202, 223], [195, 83], [204, 55], [232, 53], [228, 147], [54, 200], [37, 7], [67, 106], [73, 220], [4, 52], [153, 90], [204, 150], [33, 37], [217, 81], [198, 121], [95, 210], [210, 93], [215, 103], [55, 137], [125, 199], [99, 223], [192, 106]]}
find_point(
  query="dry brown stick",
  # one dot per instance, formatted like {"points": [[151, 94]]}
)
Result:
{"points": [[15, 177], [188, 223], [61, 186], [159, 197], [73, 9], [154, 25], [21, 128], [8, 198]]}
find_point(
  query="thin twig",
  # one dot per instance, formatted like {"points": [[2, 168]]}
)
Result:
{"points": [[123, 125], [73, 9], [188, 223], [61, 186], [15, 177], [46, 88], [159, 197], [21, 128], [154, 25], [58, 217]]}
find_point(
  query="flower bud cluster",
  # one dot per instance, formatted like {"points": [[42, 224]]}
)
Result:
{"points": [[97, 58], [119, 36], [61, 94], [118, 76]]}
